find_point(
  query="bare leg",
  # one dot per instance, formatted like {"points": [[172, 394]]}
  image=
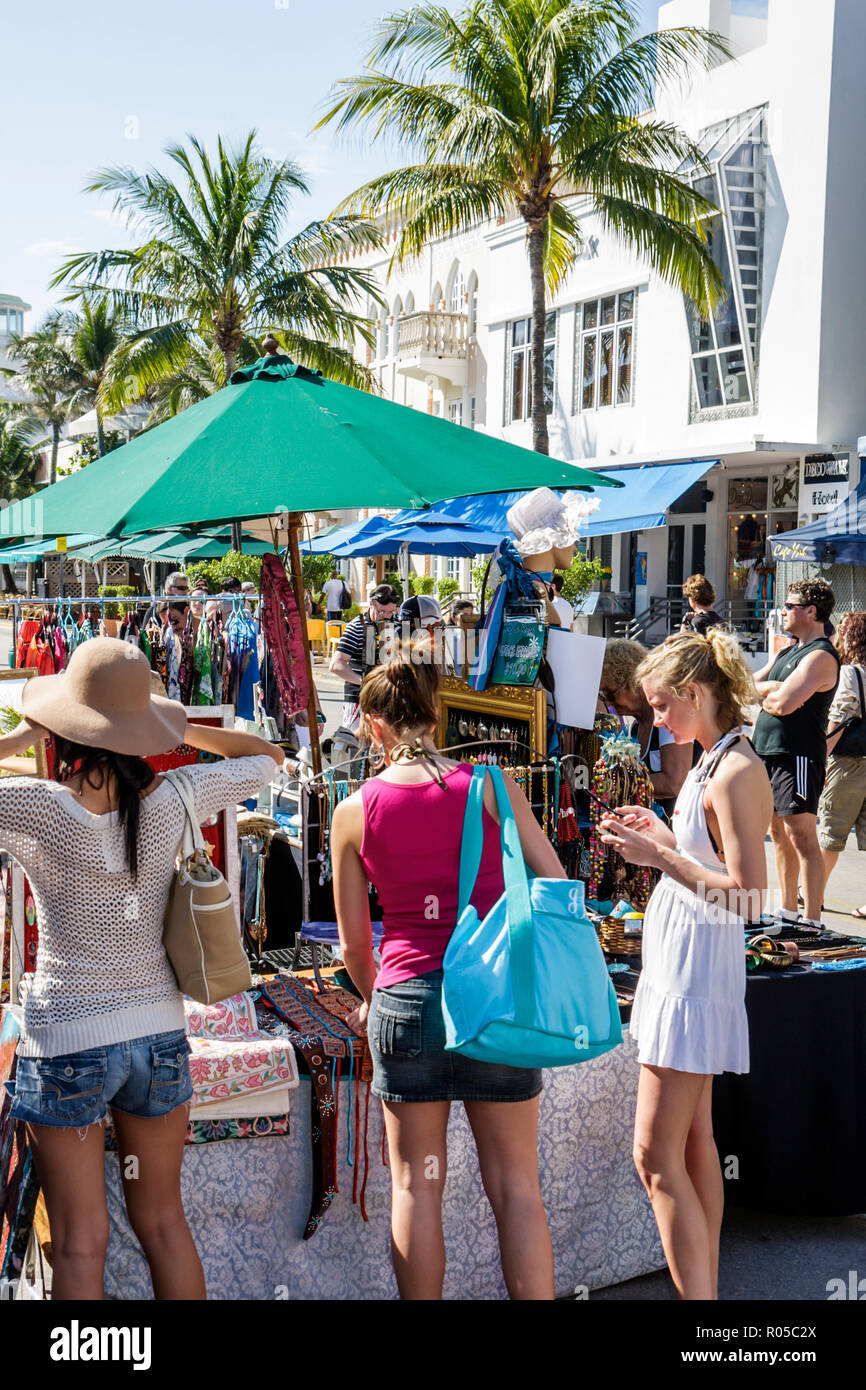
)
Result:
{"points": [[829, 856], [150, 1153], [787, 864], [802, 832], [705, 1171], [416, 1149], [71, 1168], [667, 1102], [506, 1136]]}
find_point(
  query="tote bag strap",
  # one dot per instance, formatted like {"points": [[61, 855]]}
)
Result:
{"points": [[192, 837], [519, 908]]}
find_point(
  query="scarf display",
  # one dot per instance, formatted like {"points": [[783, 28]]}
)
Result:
{"points": [[284, 630]]}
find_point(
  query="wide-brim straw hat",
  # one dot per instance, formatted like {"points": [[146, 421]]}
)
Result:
{"points": [[103, 699]]}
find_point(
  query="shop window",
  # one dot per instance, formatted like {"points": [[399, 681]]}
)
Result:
{"points": [[518, 382], [604, 352]]}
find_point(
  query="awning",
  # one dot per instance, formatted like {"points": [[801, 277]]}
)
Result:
{"points": [[37, 550], [839, 538], [639, 505]]}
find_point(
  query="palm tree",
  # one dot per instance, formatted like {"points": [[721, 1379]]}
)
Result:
{"points": [[520, 107], [203, 373], [96, 336], [19, 463], [50, 377], [214, 270]]}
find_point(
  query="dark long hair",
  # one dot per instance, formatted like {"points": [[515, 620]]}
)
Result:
{"points": [[130, 776]]}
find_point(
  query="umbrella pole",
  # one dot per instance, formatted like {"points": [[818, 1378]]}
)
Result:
{"points": [[405, 565], [298, 587]]}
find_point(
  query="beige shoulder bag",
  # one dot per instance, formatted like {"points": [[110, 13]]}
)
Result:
{"points": [[201, 935]]}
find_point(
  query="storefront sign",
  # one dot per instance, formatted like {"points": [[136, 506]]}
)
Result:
{"points": [[824, 483], [821, 468]]}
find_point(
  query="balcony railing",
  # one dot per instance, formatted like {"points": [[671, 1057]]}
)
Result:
{"points": [[432, 335]]}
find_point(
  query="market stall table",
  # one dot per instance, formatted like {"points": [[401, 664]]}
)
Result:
{"points": [[247, 1202], [796, 1124]]}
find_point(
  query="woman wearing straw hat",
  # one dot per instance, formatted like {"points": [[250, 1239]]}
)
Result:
{"points": [[103, 1018]]}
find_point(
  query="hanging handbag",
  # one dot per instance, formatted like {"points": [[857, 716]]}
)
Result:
{"points": [[201, 934], [527, 986], [852, 744]]}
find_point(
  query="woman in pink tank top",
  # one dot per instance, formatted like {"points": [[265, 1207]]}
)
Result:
{"points": [[402, 832]]}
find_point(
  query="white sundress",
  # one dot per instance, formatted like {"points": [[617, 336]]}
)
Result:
{"points": [[689, 1011]]}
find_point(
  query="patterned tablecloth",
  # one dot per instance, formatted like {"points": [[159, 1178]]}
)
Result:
{"points": [[247, 1204]]}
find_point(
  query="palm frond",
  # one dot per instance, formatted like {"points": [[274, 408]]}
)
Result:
{"points": [[678, 253]]}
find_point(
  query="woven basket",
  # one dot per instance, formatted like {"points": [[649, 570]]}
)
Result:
{"points": [[611, 934]]}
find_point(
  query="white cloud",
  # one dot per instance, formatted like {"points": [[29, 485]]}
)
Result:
{"points": [[112, 216], [51, 248]]}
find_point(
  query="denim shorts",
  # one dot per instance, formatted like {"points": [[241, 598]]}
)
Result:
{"points": [[406, 1032], [145, 1077]]}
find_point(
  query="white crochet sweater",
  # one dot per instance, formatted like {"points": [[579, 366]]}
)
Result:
{"points": [[102, 975]]}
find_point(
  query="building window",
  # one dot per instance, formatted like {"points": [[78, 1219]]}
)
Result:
{"points": [[455, 412], [518, 385], [725, 344], [472, 412], [472, 324], [458, 291], [604, 351]]}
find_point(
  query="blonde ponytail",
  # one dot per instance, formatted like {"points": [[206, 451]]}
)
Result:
{"points": [[715, 660]]}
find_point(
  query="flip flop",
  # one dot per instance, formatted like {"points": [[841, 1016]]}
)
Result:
{"points": [[859, 913]]}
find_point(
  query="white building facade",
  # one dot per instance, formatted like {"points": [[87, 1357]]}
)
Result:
{"points": [[770, 391]]}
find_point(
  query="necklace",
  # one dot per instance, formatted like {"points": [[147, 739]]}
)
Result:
{"points": [[409, 752]]}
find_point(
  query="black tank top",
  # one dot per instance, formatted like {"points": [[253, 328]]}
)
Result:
{"points": [[804, 732]]}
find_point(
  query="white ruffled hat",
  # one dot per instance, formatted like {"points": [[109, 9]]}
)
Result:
{"points": [[542, 520]]}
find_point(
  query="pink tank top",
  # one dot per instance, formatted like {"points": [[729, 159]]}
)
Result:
{"points": [[411, 853]]}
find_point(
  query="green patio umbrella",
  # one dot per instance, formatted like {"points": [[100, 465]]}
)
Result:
{"points": [[170, 546], [281, 438]]}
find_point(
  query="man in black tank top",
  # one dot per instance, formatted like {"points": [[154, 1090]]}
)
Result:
{"points": [[790, 735]]}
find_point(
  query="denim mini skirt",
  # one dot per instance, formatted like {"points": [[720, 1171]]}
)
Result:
{"points": [[406, 1032]]}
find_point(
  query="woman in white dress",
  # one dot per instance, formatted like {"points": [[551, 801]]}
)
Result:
{"points": [[689, 1015]]}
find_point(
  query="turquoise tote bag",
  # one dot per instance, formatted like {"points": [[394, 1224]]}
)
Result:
{"points": [[527, 985]]}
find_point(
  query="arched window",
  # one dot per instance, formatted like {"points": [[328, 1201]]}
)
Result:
{"points": [[398, 310], [410, 303], [436, 297], [458, 291], [472, 307], [383, 334]]}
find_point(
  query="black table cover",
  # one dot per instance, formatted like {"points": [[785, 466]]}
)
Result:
{"points": [[796, 1124]]}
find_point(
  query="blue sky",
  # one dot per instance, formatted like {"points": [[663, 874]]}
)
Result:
{"points": [[112, 83]]}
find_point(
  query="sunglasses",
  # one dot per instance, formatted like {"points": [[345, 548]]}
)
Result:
{"points": [[787, 606]]}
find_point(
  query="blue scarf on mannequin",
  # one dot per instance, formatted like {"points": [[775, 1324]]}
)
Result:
{"points": [[516, 583]]}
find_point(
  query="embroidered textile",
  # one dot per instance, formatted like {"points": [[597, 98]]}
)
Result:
{"points": [[232, 1018], [228, 1067]]}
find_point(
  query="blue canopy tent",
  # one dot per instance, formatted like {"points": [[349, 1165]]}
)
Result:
{"points": [[424, 533], [340, 535], [839, 538], [639, 505]]}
